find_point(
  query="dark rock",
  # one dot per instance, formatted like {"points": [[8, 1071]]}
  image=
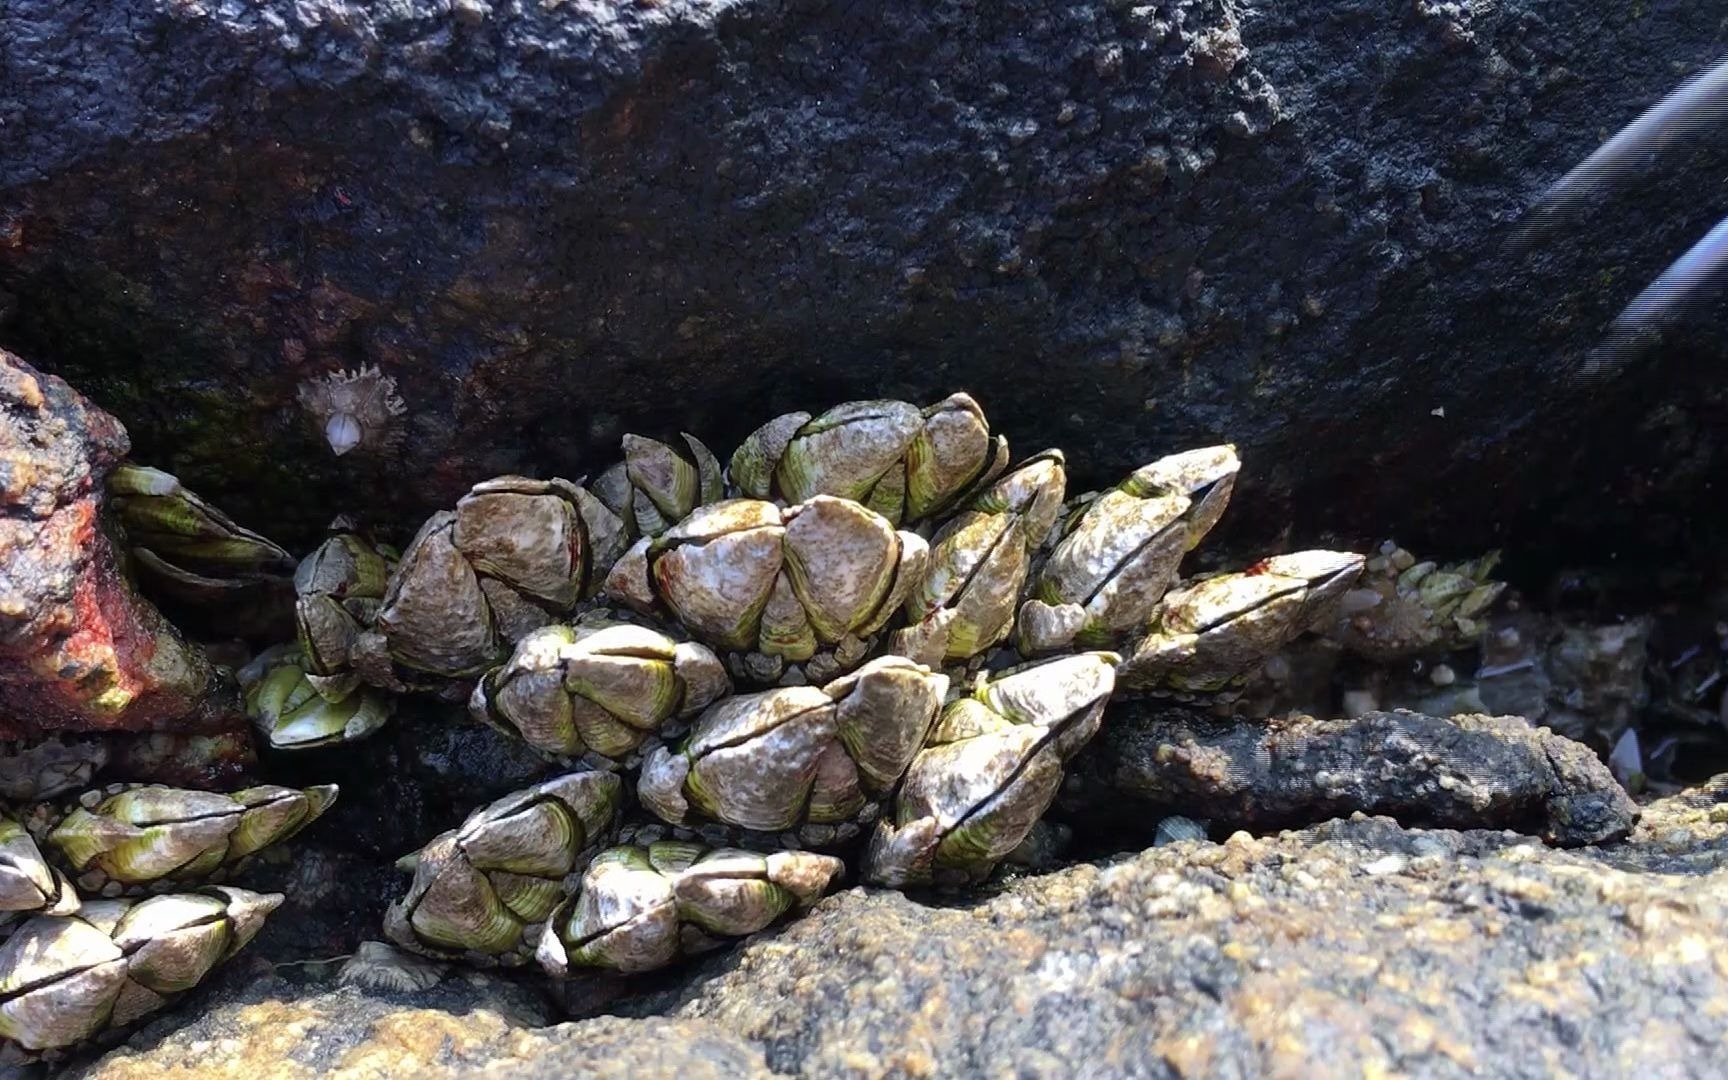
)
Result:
{"points": [[210, 762], [80, 650], [418, 776], [1469, 772], [1126, 227]]}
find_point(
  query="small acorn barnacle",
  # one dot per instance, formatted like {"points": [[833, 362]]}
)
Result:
{"points": [[354, 409]]}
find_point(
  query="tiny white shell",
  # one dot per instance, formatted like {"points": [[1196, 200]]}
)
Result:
{"points": [[342, 431]]}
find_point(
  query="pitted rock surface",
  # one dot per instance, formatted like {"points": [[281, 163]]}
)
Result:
{"points": [[1353, 948], [1465, 771], [1356, 948], [471, 1025], [1127, 228]]}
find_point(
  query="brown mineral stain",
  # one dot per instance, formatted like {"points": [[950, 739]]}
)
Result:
{"points": [[1189, 1055]]}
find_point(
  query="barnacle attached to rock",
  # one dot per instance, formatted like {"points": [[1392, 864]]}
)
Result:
{"points": [[377, 965], [810, 585], [1402, 607], [978, 565], [185, 546], [1118, 552], [804, 765], [129, 839], [990, 768], [28, 885], [1206, 637], [515, 555], [481, 890], [338, 590], [600, 688], [295, 709], [907, 464], [655, 486], [641, 908], [355, 410], [68, 978]]}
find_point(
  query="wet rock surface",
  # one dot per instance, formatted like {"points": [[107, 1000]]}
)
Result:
{"points": [[526, 214], [1355, 947], [80, 650], [1463, 771]]}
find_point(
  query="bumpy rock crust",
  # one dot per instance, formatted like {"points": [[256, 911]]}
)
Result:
{"points": [[1355, 948], [1463, 772]]}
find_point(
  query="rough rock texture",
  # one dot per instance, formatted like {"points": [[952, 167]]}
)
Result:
{"points": [[80, 650], [1354, 948], [1463, 771], [1126, 226], [472, 1024]]}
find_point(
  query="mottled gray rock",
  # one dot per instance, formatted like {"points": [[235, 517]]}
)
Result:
{"points": [[1126, 227], [1463, 772]]}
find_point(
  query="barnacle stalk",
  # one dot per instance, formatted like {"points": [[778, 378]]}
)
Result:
{"points": [[641, 908], [68, 978], [905, 463], [481, 890], [798, 766], [36, 769], [129, 839], [600, 688], [990, 768]]}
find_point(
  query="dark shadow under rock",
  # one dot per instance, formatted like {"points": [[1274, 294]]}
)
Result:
{"points": [[1472, 772]]}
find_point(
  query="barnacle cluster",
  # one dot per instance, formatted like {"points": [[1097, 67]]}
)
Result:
{"points": [[108, 906], [871, 640]]}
